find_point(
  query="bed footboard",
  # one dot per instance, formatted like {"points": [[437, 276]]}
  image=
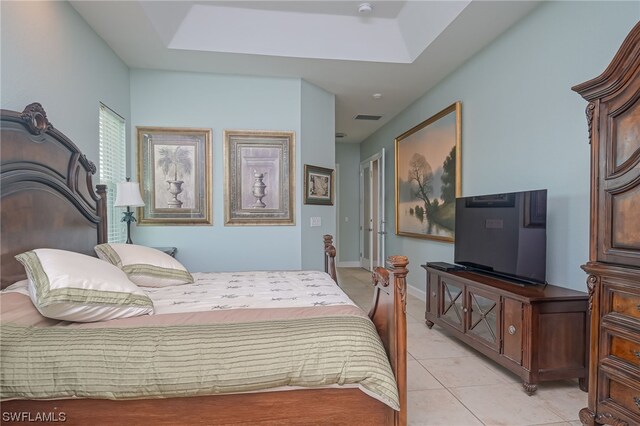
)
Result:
{"points": [[389, 314], [321, 407]]}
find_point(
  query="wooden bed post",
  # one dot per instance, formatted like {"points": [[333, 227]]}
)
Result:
{"points": [[389, 314], [330, 257], [101, 190]]}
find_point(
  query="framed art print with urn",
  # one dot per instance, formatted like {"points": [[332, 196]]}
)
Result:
{"points": [[174, 171], [259, 177]]}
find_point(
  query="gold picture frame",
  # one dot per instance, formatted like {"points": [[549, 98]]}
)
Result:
{"points": [[259, 178], [174, 171], [428, 176]]}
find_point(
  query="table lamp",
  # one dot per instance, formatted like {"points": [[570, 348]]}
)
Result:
{"points": [[128, 195]]}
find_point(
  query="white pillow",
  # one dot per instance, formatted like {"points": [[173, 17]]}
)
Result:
{"points": [[145, 266], [71, 286]]}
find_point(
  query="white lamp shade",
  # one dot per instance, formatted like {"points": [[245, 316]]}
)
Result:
{"points": [[128, 194]]}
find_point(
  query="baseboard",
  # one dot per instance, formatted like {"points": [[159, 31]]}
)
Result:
{"points": [[348, 264], [416, 292]]}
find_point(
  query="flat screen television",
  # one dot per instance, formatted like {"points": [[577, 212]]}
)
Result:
{"points": [[503, 235]]}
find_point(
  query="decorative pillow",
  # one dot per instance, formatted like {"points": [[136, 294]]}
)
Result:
{"points": [[145, 266], [75, 287]]}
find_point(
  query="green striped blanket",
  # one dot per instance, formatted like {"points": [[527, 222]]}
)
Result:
{"points": [[187, 360]]}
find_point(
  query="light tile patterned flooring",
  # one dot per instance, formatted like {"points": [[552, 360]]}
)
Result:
{"points": [[451, 384]]}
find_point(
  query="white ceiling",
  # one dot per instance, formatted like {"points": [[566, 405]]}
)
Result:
{"points": [[400, 50]]}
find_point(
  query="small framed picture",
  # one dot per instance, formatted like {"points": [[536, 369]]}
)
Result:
{"points": [[318, 185]]}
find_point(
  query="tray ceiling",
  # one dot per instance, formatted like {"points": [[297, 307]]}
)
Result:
{"points": [[400, 50]]}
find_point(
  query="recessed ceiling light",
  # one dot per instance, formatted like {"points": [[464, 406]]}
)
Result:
{"points": [[340, 135], [377, 95], [365, 8]]}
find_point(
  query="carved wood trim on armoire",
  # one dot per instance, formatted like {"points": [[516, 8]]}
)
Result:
{"points": [[613, 116]]}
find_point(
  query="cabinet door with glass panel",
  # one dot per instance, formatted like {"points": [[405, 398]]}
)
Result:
{"points": [[451, 309], [482, 311]]}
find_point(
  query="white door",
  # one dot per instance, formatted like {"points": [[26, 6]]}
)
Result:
{"points": [[365, 215], [381, 216], [372, 218]]}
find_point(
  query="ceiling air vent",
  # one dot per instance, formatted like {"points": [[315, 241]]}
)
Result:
{"points": [[367, 117]]}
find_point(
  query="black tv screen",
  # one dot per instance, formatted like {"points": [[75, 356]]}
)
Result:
{"points": [[503, 234]]}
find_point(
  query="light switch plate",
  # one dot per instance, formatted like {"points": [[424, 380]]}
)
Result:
{"points": [[316, 221]]}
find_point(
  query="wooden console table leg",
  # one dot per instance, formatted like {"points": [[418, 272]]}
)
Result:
{"points": [[584, 384], [429, 324], [587, 417], [529, 388]]}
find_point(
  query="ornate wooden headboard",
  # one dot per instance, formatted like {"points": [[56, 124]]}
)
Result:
{"points": [[47, 197]]}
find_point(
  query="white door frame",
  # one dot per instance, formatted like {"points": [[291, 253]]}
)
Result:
{"points": [[365, 261], [337, 207], [381, 225]]}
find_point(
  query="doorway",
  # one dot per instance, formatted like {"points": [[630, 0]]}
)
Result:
{"points": [[372, 218]]}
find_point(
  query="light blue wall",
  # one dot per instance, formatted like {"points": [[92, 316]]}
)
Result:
{"points": [[50, 55], [317, 146], [348, 156], [219, 102], [522, 126]]}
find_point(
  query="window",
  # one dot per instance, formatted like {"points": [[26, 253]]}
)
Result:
{"points": [[113, 168]]}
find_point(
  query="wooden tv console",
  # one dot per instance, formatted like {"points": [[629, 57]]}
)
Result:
{"points": [[538, 332]]}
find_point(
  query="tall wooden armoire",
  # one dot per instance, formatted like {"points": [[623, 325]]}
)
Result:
{"points": [[613, 115]]}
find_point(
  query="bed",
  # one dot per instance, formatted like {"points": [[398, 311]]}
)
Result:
{"points": [[48, 200]]}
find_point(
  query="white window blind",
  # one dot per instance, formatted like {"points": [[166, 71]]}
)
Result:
{"points": [[113, 168]]}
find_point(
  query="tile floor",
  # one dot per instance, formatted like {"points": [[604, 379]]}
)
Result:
{"points": [[453, 385]]}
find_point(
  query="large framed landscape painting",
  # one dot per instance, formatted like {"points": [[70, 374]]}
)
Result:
{"points": [[259, 177], [174, 171], [428, 176]]}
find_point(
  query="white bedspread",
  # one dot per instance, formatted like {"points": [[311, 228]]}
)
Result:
{"points": [[248, 290], [241, 290]]}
